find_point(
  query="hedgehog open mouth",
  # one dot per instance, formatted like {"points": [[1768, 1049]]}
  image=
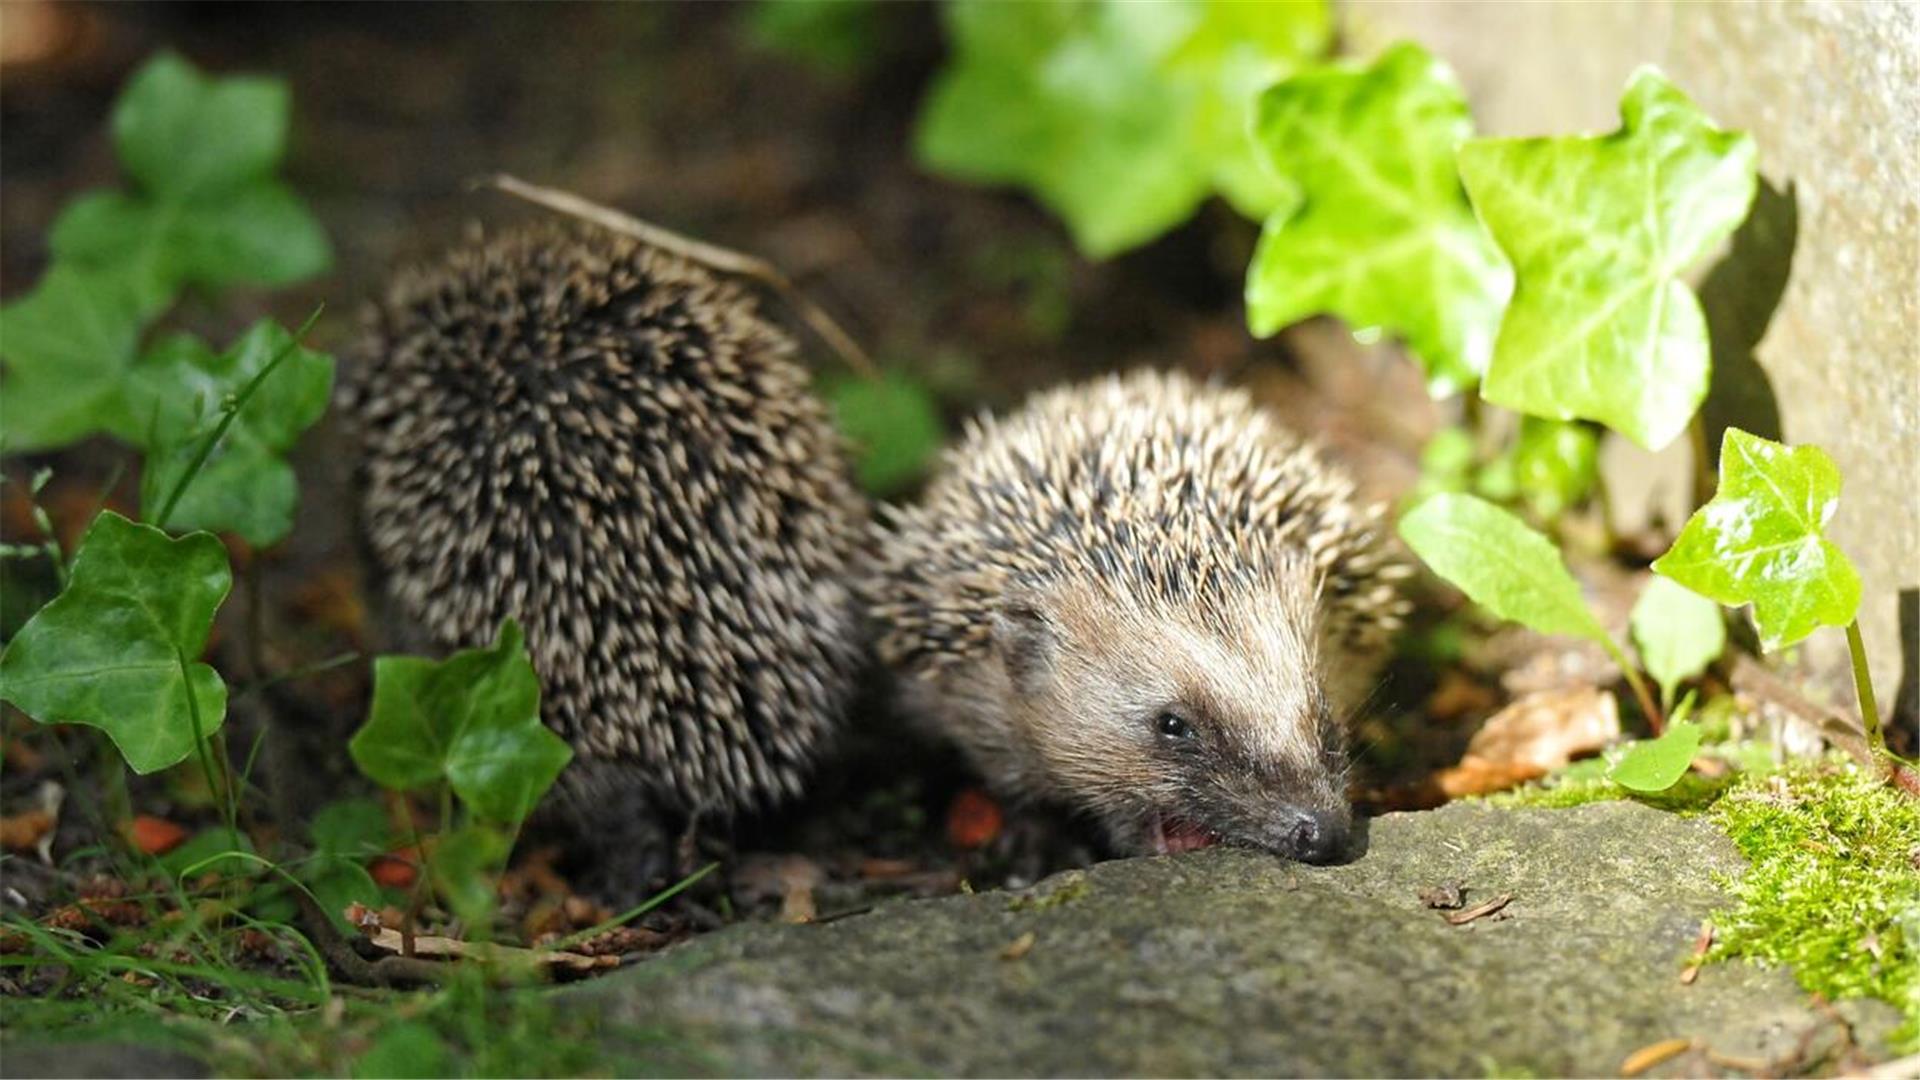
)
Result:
{"points": [[1167, 836]]}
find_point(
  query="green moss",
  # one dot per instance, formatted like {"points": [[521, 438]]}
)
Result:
{"points": [[1833, 885], [1832, 889]]}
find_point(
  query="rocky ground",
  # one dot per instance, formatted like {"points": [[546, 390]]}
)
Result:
{"points": [[1230, 963]]}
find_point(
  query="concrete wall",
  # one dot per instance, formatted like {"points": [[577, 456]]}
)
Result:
{"points": [[1831, 91]]}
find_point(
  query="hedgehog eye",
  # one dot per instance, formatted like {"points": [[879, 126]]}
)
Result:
{"points": [[1173, 726]]}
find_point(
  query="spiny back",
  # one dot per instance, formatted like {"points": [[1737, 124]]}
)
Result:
{"points": [[610, 445], [1167, 492]]}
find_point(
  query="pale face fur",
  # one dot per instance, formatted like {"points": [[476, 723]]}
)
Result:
{"points": [[1172, 728]]}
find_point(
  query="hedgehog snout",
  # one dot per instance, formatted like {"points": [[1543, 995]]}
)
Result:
{"points": [[1307, 835]]}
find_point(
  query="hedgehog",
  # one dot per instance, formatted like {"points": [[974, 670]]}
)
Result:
{"points": [[610, 445], [1145, 600]]}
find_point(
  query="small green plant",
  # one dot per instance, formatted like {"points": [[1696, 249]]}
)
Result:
{"points": [[205, 212], [1760, 541], [835, 36], [894, 425], [1512, 571], [1122, 118], [120, 647], [471, 722], [1548, 469]]}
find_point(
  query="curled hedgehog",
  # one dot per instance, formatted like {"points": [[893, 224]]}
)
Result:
{"points": [[1144, 599], [610, 445]]}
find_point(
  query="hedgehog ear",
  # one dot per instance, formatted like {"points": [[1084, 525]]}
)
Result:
{"points": [[1028, 645]]}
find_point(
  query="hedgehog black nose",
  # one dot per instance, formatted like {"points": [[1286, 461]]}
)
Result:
{"points": [[1309, 836]]}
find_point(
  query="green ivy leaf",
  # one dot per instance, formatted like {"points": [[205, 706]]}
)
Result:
{"points": [[472, 719], [346, 834], [1658, 764], [1500, 563], [180, 133], [176, 397], [1759, 541], [1120, 117], [1383, 235], [894, 426], [352, 828], [1598, 230], [66, 346], [116, 649], [1678, 632], [462, 866], [835, 36], [207, 210], [1555, 464]]}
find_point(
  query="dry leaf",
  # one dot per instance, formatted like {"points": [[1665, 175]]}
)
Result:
{"points": [[155, 835], [1653, 1054], [1533, 736], [1019, 947], [973, 820], [24, 831]]}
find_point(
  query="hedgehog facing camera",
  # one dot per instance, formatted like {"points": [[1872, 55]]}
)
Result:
{"points": [[1144, 600], [607, 443]]}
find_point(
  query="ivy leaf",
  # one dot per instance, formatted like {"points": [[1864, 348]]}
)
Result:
{"points": [[462, 866], [894, 426], [1500, 563], [177, 397], [1759, 541], [1658, 764], [835, 36], [207, 210], [66, 346], [1678, 632], [1598, 230], [116, 649], [179, 133], [472, 720], [1120, 117], [1383, 235], [346, 834], [1555, 464], [352, 828]]}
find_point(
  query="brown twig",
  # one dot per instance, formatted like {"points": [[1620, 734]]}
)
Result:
{"points": [[1480, 910], [712, 256], [354, 968], [1700, 946]]}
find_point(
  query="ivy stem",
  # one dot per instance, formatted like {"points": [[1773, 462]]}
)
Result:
{"points": [[1704, 478], [200, 747], [1656, 720], [227, 417], [1863, 686]]}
